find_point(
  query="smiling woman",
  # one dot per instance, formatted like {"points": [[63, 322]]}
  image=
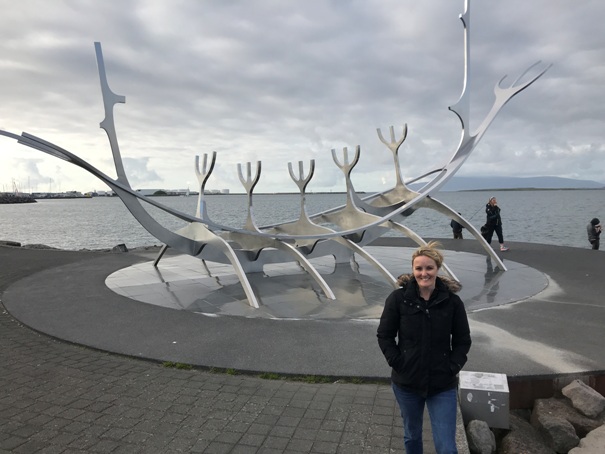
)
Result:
{"points": [[425, 337]]}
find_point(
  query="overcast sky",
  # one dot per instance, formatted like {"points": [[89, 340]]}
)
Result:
{"points": [[280, 82]]}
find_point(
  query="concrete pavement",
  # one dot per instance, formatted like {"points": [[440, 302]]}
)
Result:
{"points": [[58, 396]]}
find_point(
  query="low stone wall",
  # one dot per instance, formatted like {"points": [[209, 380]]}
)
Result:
{"points": [[572, 422], [12, 198]]}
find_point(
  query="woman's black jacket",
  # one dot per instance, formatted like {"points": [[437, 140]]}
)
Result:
{"points": [[433, 338], [493, 214]]}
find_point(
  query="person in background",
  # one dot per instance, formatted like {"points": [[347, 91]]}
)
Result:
{"points": [[425, 337], [456, 229], [594, 232], [494, 223]]}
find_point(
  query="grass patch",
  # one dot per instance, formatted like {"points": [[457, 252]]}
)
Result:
{"points": [[301, 378], [270, 376], [315, 379], [173, 365], [356, 381], [311, 379]]}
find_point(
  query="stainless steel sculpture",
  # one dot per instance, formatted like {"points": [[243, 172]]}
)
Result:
{"points": [[340, 232]]}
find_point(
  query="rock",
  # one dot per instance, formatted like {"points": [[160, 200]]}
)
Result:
{"points": [[14, 198], [593, 443], [481, 439], [555, 429], [9, 243], [120, 248], [523, 439], [585, 399], [562, 408], [38, 246]]}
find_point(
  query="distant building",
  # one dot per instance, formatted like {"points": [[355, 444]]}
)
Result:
{"points": [[103, 194], [178, 192], [61, 195]]}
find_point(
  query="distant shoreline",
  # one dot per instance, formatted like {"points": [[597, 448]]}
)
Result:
{"points": [[376, 192], [458, 190], [11, 199], [529, 189], [118, 248]]}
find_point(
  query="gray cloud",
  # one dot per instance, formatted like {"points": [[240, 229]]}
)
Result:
{"points": [[280, 83], [139, 173]]}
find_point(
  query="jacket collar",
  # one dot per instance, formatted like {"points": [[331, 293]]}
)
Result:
{"points": [[448, 283], [440, 293]]}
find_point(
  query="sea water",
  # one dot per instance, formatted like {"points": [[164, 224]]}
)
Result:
{"points": [[556, 217]]}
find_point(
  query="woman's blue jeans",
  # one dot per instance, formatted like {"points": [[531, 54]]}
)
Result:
{"points": [[442, 412]]}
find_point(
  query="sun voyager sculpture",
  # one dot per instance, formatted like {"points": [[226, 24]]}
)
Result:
{"points": [[340, 232]]}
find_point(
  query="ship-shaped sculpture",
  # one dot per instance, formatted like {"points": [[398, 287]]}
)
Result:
{"points": [[340, 232]]}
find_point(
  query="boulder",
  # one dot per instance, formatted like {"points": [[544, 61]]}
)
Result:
{"points": [[559, 434], [9, 243], [481, 440], [593, 443], [523, 438], [37, 246], [585, 399], [120, 248], [563, 408]]}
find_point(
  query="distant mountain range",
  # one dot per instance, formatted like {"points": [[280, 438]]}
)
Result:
{"points": [[511, 183]]}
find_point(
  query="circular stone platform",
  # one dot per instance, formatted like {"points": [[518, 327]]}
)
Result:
{"points": [[542, 318], [286, 291]]}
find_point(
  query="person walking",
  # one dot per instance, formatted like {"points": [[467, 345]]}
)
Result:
{"points": [[424, 336], [494, 223], [594, 232], [456, 229]]}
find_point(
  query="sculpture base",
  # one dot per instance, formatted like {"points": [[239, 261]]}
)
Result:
{"points": [[285, 291]]}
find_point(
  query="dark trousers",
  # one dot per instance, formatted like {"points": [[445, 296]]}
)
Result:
{"points": [[458, 235], [595, 244], [490, 233]]}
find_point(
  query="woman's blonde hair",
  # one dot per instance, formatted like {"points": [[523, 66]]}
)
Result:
{"points": [[429, 250]]}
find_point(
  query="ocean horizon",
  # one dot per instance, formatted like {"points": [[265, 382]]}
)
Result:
{"points": [[546, 216]]}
